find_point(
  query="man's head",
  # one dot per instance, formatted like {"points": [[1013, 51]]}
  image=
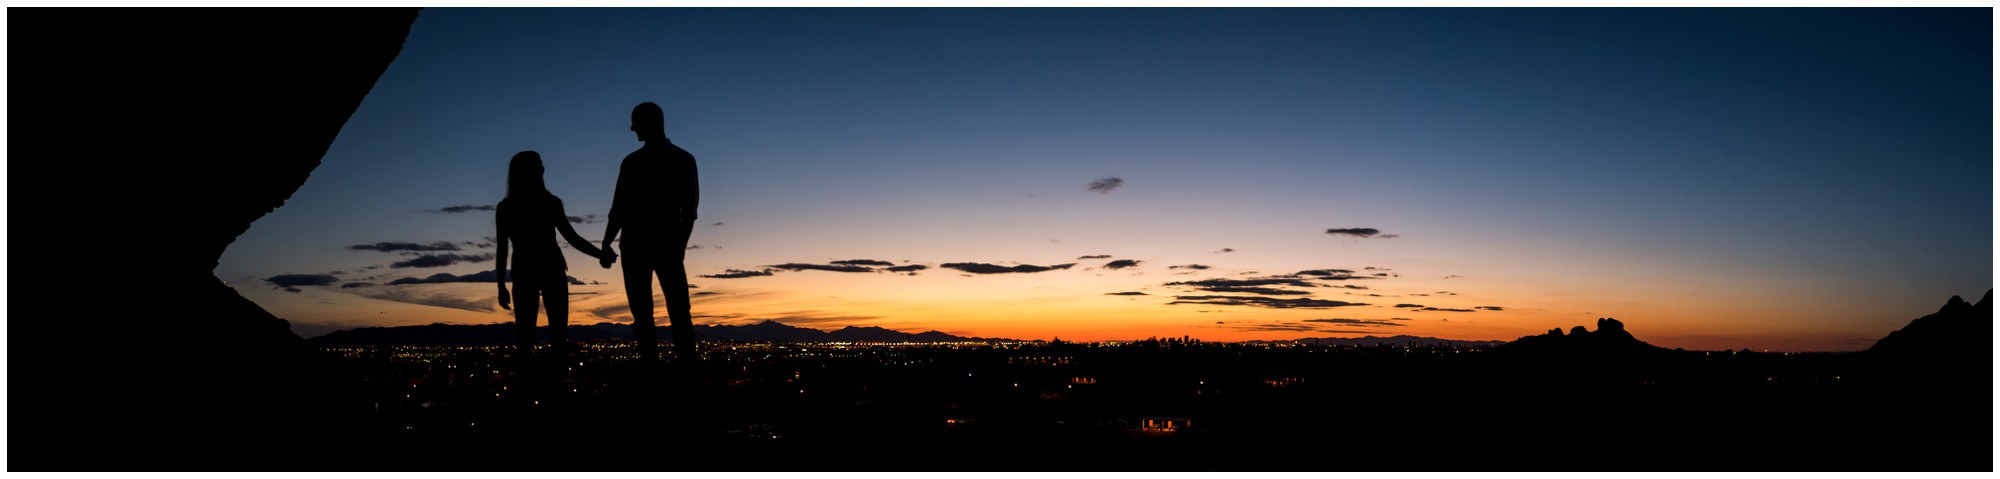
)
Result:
{"points": [[649, 122]]}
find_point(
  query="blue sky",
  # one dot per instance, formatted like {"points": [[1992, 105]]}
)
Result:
{"points": [[1806, 178]]}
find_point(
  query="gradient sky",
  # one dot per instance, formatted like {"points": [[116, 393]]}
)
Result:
{"points": [[1784, 179]]}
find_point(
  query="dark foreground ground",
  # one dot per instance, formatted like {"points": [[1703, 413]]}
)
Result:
{"points": [[1086, 407]]}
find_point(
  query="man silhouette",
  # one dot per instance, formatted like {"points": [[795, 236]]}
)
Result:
{"points": [[655, 207]]}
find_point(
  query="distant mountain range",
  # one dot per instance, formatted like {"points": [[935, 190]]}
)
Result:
{"points": [[503, 333]]}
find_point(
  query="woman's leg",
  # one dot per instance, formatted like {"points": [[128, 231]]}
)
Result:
{"points": [[555, 296], [525, 296]]}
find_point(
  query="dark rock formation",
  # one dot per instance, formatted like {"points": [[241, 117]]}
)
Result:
{"points": [[154, 138], [1957, 329], [1609, 338]]}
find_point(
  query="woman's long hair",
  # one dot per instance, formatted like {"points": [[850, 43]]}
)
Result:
{"points": [[524, 175]]}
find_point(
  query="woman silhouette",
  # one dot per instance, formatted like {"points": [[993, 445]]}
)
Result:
{"points": [[525, 218]]}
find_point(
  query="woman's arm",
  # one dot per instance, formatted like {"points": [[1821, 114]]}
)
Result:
{"points": [[500, 257], [569, 233]]}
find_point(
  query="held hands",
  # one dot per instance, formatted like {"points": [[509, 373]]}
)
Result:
{"points": [[504, 299], [606, 257]]}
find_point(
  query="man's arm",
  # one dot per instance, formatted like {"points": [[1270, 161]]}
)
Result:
{"points": [[693, 200], [614, 219]]}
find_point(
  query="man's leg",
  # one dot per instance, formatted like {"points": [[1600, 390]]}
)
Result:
{"points": [[673, 284], [639, 294]]}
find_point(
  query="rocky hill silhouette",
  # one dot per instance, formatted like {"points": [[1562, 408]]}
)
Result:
{"points": [[502, 333], [1609, 338], [1959, 330], [1949, 351]]}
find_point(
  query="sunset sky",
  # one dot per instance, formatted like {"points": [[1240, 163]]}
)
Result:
{"points": [[1783, 179]]}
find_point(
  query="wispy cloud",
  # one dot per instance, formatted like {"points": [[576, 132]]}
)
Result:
{"points": [[454, 299], [737, 273], [1121, 264], [1209, 284], [479, 277], [356, 284], [437, 260], [988, 268], [393, 246], [1226, 250], [1264, 302], [864, 262], [1489, 308], [1095, 256], [1450, 310], [1356, 322], [1188, 266], [1355, 232], [462, 209], [1331, 274], [1105, 185], [293, 281], [1126, 293], [1253, 290], [909, 269], [586, 219], [838, 268], [1409, 305]]}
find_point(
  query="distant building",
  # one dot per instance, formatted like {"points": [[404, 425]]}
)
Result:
{"points": [[1157, 423]]}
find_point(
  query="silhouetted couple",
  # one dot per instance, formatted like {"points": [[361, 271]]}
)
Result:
{"points": [[654, 205]]}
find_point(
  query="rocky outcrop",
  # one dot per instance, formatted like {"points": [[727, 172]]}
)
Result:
{"points": [[1610, 337], [161, 135]]}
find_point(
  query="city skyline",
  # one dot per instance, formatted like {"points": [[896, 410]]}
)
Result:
{"points": [[1716, 179]]}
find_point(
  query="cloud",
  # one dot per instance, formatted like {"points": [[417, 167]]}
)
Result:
{"points": [[356, 284], [1095, 256], [737, 273], [1126, 293], [1241, 283], [482, 303], [1122, 264], [703, 293], [392, 246], [1409, 305], [1489, 308], [838, 268], [289, 289], [586, 219], [295, 280], [865, 262], [462, 209], [1453, 310], [437, 260], [987, 268], [796, 318], [479, 277], [1188, 266], [1227, 250], [1105, 185], [1253, 290], [718, 223], [912, 269], [1355, 322], [1331, 274], [1450, 276], [1348, 286], [1390, 236], [1263, 302], [1355, 232]]}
